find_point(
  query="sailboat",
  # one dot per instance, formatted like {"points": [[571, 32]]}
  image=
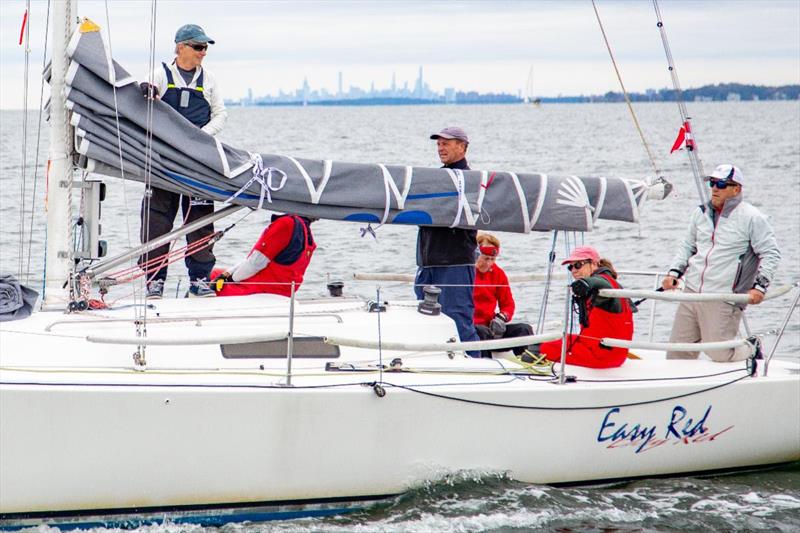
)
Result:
{"points": [[264, 407], [530, 98]]}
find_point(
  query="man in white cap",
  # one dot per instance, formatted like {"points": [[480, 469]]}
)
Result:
{"points": [[446, 256], [192, 91], [730, 247]]}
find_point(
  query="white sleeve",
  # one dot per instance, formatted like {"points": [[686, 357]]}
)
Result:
{"points": [[252, 265], [687, 247], [764, 244], [159, 80], [218, 112]]}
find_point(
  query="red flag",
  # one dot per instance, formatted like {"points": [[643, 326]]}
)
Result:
{"points": [[22, 29], [678, 144]]}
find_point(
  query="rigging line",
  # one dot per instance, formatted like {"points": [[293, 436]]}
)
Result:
{"points": [[116, 122], [576, 408], [38, 144], [691, 147], [548, 281], [23, 181], [625, 93], [141, 327]]}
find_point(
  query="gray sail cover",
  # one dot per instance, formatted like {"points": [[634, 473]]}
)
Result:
{"points": [[122, 134]]}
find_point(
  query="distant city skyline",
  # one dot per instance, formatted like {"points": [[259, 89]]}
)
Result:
{"points": [[482, 46], [423, 94]]}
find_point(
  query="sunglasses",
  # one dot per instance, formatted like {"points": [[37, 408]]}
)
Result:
{"points": [[577, 265], [198, 47], [721, 184]]}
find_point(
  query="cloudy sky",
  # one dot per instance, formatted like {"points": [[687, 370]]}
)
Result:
{"points": [[472, 45]]}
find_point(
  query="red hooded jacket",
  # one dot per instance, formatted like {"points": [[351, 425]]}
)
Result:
{"points": [[585, 349]]}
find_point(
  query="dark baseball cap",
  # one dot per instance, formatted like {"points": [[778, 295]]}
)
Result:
{"points": [[451, 132], [192, 32]]}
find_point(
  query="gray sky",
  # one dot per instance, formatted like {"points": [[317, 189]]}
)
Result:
{"points": [[476, 45]]}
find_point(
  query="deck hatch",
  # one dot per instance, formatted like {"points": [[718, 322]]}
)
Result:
{"points": [[304, 347]]}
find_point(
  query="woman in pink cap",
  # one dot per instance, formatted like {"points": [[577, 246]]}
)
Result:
{"points": [[599, 316]]}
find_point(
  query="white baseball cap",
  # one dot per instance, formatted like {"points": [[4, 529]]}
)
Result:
{"points": [[727, 173]]}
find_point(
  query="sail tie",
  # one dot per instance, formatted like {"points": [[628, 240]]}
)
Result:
{"points": [[262, 176], [457, 176]]}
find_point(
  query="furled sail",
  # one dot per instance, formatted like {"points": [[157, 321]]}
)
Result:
{"points": [[120, 136]]}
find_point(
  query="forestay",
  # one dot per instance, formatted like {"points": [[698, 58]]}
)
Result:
{"points": [[184, 159]]}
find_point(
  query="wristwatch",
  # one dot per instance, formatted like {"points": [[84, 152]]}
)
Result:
{"points": [[761, 284]]}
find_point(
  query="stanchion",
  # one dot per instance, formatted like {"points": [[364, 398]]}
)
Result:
{"points": [[567, 310], [290, 340]]}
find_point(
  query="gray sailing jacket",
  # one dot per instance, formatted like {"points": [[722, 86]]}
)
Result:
{"points": [[731, 252]]}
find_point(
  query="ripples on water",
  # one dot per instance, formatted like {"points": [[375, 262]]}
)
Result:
{"points": [[592, 139], [762, 501]]}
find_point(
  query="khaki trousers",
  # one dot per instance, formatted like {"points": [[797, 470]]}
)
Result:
{"points": [[708, 322]]}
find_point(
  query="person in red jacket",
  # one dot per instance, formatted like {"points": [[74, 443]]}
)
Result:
{"points": [[494, 303], [599, 316], [279, 257]]}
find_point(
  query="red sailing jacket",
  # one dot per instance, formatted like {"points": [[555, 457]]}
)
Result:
{"points": [[488, 298], [289, 245], [585, 349]]}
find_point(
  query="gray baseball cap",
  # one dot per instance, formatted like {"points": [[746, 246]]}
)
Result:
{"points": [[451, 132], [192, 32]]}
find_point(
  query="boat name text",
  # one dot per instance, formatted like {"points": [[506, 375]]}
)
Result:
{"points": [[681, 429]]}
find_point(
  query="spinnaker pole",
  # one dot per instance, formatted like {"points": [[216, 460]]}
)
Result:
{"points": [[58, 258], [686, 121]]}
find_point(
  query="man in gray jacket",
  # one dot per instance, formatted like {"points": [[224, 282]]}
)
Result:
{"points": [[730, 247]]}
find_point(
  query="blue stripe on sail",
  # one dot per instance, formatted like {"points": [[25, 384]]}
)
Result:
{"points": [[361, 217], [200, 185], [414, 218], [431, 195]]}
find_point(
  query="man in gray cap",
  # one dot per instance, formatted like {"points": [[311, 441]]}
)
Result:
{"points": [[730, 247], [446, 256], [192, 91]]}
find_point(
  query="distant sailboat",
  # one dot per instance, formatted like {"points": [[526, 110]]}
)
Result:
{"points": [[529, 97]]}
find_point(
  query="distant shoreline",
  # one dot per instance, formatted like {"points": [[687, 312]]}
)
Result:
{"points": [[723, 92]]}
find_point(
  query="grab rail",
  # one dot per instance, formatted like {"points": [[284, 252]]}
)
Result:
{"points": [[197, 319], [194, 340], [677, 296], [673, 296], [677, 346], [494, 344]]}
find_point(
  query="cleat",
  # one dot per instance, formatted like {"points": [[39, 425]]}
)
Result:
{"points": [[155, 290]]}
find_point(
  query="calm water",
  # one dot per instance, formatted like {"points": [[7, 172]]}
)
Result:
{"points": [[763, 138]]}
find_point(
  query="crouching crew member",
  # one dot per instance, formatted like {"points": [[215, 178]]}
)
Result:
{"points": [[494, 303], [280, 256], [599, 316]]}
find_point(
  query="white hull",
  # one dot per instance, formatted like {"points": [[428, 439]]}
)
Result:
{"points": [[82, 430]]}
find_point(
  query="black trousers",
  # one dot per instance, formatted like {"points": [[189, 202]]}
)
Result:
{"points": [[518, 329], [163, 208]]}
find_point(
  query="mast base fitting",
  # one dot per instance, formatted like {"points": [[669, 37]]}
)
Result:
{"points": [[75, 306]]}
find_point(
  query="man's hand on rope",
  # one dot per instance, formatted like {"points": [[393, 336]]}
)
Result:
{"points": [[149, 91]]}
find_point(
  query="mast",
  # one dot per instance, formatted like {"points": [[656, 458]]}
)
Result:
{"points": [[59, 177]]}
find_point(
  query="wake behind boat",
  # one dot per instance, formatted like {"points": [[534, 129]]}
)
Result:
{"points": [[261, 407]]}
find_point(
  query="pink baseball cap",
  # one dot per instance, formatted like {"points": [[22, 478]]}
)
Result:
{"points": [[580, 253]]}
